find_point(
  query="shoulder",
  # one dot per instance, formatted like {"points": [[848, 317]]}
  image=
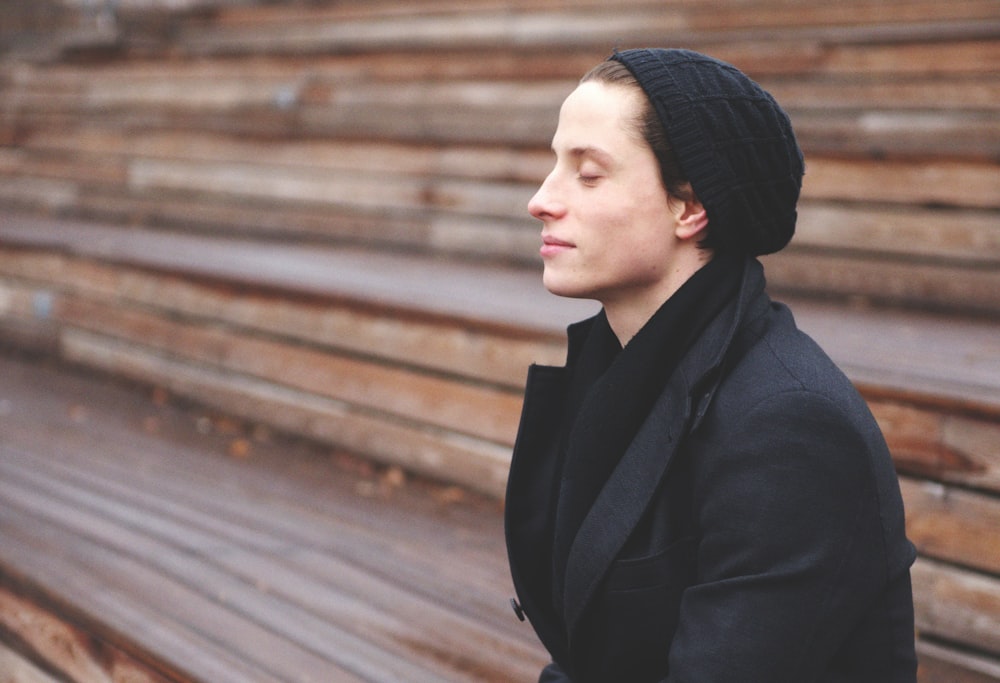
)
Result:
{"points": [[787, 426], [784, 405], [777, 367]]}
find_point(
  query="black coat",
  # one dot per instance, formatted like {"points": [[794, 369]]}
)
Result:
{"points": [[752, 531]]}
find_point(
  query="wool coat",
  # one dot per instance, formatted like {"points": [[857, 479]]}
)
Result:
{"points": [[751, 532]]}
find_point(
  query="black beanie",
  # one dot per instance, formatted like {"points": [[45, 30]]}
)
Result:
{"points": [[733, 142]]}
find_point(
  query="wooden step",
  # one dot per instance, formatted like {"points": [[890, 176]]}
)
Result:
{"points": [[311, 217], [406, 354], [302, 570]]}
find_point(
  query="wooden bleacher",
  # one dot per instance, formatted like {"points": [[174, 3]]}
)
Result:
{"points": [[311, 216], [146, 543]]}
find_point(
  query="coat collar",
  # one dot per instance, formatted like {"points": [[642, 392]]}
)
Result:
{"points": [[679, 410]]}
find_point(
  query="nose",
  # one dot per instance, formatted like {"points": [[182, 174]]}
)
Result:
{"points": [[544, 204]]}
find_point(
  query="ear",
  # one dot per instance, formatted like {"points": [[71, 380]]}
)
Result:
{"points": [[692, 221]]}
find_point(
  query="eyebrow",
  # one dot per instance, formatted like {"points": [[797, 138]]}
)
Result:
{"points": [[597, 153]]}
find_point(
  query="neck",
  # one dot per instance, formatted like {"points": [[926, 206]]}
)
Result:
{"points": [[627, 315]]}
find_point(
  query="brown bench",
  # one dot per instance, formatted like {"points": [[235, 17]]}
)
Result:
{"points": [[417, 363], [312, 217], [151, 544], [411, 129]]}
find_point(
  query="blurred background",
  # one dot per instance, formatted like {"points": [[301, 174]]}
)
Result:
{"points": [[312, 215]]}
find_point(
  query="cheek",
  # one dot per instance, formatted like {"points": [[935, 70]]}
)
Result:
{"points": [[614, 209]]}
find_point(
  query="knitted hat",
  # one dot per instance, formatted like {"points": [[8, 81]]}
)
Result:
{"points": [[733, 141]]}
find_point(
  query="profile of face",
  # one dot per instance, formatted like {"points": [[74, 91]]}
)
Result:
{"points": [[610, 232]]}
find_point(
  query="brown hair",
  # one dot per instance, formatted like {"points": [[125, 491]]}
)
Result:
{"points": [[613, 72]]}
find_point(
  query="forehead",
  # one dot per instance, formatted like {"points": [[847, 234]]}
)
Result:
{"points": [[598, 114]]}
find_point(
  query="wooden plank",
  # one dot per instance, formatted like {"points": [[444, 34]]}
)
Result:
{"points": [[950, 524], [380, 194], [827, 67], [963, 380], [372, 605], [939, 664], [305, 646], [515, 112], [957, 605], [72, 167], [73, 652], [367, 385], [282, 493], [24, 319], [471, 462], [475, 353], [488, 163], [797, 15], [954, 288], [38, 193], [940, 182], [585, 25], [434, 287], [923, 441], [17, 668], [962, 183], [147, 493], [422, 31], [167, 599], [22, 302], [930, 234], [153, 478], [51, 271], [911, 357], [921, 236], [239, 13], [876, 134], [804, 93], [923, 56], [898, 134], [80, 594], [259, 585], [276, 183], [939, 444]]}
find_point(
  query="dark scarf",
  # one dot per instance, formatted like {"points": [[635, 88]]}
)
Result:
{"points": [[612, 391]]}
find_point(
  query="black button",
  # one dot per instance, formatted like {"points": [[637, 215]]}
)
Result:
{"points": [[517, 609]]}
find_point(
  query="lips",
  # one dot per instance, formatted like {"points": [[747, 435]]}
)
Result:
{"points": [[553, 245], [554, 241]]}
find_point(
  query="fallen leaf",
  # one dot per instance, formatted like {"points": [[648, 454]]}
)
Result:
{"points": [[394, 477], [448, 495], [239, 448]]}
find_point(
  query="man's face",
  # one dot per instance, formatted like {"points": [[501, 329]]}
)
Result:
{"points": [[608, 228]]}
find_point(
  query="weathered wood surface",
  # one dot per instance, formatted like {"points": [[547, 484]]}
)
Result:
{"points": [[416, 374], [425, 127], [422, 363], [259, 349], [202, 550], [934, 355], [302, 209]]}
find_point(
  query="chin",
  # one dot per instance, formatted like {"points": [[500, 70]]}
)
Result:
{"points": [[566, 289]]}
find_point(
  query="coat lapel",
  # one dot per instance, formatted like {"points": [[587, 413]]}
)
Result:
{"points": [[630, 489], [623, 500], [527, 512]]}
